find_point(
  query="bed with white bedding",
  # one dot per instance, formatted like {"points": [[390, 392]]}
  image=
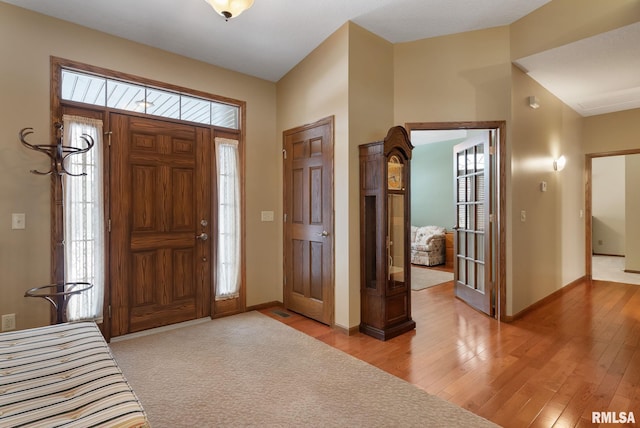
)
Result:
{"points": [[64, 375]]}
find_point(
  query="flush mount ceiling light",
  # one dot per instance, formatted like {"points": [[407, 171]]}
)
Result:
{"points": [[230, 8], [144, 103]]}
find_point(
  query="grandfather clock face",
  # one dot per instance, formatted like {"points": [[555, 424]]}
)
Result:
{"points": [[395, 173]]}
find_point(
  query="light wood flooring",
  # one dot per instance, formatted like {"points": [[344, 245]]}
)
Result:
{"points": [[577, 354]]}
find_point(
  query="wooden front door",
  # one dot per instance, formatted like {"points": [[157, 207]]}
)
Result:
{"points": [[161, 194], [473, 272], [308, 224]]}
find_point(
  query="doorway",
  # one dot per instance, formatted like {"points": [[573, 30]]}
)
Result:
{"points": [[164, 185], [473, 207], [610, 251]]}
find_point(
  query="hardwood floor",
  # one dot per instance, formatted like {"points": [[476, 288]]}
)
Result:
{"points": [[577, 354]]}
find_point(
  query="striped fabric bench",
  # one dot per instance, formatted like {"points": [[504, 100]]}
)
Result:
{"points": [[64, 375]]}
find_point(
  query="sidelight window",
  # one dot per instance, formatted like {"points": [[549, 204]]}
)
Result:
{"points": [[228, 269], [84, 219]]}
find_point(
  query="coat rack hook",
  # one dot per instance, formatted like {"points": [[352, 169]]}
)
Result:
{"points": [[58, 152]]}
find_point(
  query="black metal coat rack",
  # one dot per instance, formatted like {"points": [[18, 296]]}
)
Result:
{"points": [[58, 294]]}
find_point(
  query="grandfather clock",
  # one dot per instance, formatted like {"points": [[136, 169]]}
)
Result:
{"points": [[385, 268]]}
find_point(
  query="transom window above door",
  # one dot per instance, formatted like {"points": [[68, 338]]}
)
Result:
{"points": [[112, 93]]}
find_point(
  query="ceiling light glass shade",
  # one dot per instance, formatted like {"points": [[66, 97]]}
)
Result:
{"points": [[230, 8]]}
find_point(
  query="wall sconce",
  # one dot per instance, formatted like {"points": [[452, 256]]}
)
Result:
{"points": [[534, 103], [559, 164], [230, 8]]}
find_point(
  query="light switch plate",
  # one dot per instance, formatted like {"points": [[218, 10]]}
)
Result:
{"points": [[266, 215], [18, 221]]}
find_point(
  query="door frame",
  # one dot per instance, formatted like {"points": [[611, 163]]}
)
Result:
{"points": [[499, 177], [588, 203], [330, 121], [56, 108]]}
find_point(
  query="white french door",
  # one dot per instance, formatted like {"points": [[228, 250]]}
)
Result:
{"points": [[473, 272]]}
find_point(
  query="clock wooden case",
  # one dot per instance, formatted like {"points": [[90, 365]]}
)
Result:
{"points": [[385, 267]]}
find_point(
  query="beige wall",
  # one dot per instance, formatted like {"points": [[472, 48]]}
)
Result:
{"points": [[28, 40], [608, 207], [560, 22], [612, 132], [548, 247], [453, 78], [632, 212]]}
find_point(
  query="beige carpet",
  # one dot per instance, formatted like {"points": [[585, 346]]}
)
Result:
{"points": [[423, 278], [251, 370]]}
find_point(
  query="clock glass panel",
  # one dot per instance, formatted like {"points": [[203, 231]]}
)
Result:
{"points": [[395, 173]]}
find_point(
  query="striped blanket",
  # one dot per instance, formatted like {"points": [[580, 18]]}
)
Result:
{"points": [[63, 375]]}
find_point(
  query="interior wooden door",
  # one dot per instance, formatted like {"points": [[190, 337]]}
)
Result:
{"points": [[472, 235], [160, 209], [308, 227]]}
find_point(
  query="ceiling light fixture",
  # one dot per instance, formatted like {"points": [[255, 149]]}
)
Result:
{"points": [[144, 103], [230, 8]]}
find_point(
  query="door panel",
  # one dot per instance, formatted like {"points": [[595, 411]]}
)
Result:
{"points": [[308, 230], [159, 269], [472, 262]]}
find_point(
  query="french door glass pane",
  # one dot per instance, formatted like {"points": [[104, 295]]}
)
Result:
{"points": [[462, 244], [471, 245]]}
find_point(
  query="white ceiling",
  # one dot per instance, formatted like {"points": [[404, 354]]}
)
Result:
{"points": [[269, 39], [597, 75]]}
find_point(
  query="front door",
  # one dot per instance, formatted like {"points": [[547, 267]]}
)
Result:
{"points": [[473, 272], [160, 209], [308, 223]]}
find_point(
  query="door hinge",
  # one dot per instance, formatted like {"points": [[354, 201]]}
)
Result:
{"points": [[284, 153], [285, 280], [285, 217], [109, 311], [108, 134], [492, 150], [490, 218], [109, 225]]}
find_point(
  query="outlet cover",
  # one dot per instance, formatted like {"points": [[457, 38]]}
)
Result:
{"points": [[8, 322]]}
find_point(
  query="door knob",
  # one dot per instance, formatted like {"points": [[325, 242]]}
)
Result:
{"points": [[323, 234], [203, 236]]}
